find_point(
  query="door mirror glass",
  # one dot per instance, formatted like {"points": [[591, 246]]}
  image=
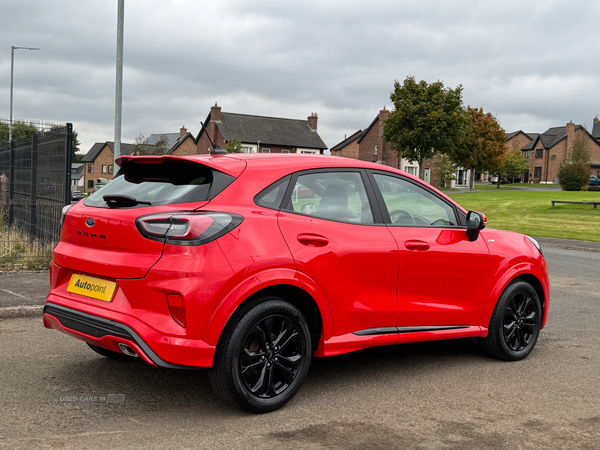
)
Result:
{"points": [[475, 221]]}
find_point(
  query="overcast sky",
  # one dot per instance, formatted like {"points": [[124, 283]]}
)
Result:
{"points": [[533, 64]]}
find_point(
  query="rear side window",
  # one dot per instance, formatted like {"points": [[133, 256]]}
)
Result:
{"points": [[165, 183]]}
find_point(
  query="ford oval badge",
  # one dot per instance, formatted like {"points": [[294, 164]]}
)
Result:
{"points": [[90, 222]]}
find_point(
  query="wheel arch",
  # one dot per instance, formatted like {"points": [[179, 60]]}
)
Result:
{"points": [[528, 273]]}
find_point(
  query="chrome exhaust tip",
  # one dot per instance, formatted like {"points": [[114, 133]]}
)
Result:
{"points": [[128, 350]]}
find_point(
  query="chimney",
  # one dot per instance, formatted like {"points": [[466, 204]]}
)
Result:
{"points": [[312, 121], [383, 115], [182, 132], [215, 112], [595, 120]]}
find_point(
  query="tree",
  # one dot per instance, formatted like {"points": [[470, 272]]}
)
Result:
{"points": [[141, 146], [483, 144], [162, 146], [20, 130], [427, 119], [573, 176], [580, 153], [514, 164], [444, 169], [234, 146]]}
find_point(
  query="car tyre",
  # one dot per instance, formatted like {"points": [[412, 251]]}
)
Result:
{"points": [[515, 324], [110, 354], [263, 356]]}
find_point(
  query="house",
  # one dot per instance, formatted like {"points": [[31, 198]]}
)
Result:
{"points": [[77, 177], [182, 143], [259, 134], [368, 145], [98, 163], [548, 150]]}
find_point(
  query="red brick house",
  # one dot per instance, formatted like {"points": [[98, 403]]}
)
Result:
{"points": [[368, 145], [259, 134], [548, 150], [98, 163], [182, 143]]}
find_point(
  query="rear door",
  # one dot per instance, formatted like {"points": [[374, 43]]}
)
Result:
{"points": [[336, 239]]}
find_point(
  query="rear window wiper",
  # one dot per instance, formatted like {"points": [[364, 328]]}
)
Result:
{"points": [[125, 200]]}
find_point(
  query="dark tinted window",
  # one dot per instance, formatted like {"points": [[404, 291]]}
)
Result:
{"points": [[271, 197], [166, 183]]}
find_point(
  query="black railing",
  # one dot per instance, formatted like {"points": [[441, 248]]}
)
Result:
{"points": [[35, 184]]}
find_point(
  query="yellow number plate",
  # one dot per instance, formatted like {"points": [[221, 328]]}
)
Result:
{"points": [[92, 287]]}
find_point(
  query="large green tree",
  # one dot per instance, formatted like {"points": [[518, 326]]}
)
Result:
{"points": [[514, 164], [483, 145], [20, 130], [427, 119]]}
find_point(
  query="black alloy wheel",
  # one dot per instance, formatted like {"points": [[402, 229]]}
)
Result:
{"points": [[263, 356], [515, 324], [271, 355]]}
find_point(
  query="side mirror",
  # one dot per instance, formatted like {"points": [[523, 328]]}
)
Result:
{"points": [[309, 208], [475, 222]]}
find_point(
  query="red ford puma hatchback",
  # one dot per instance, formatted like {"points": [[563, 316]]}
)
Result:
{"points": [[250, 265]]}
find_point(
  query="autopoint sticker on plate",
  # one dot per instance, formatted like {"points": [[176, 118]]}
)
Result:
{"points": [[92, 287]]}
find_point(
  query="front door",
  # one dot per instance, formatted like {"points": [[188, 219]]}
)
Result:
{"points": [[443, 275], [427, 175]]}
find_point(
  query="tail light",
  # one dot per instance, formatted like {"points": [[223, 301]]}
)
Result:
{"points": [[187, 228], [63, 214]]}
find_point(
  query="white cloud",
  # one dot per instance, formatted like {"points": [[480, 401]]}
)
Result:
{"points": [[533, 64]]}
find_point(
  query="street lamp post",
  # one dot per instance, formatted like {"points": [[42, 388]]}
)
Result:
{"points": [[12, 66]]}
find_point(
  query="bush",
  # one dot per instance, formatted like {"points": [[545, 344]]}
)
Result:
{"points": [[574, 177]]}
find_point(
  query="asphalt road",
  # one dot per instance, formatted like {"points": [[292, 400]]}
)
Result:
{"points": [[422, 396]]}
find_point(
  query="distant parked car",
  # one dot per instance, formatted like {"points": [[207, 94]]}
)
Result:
{"points": [[76, 195], [101, 182], [493, 179], [594, 181]]}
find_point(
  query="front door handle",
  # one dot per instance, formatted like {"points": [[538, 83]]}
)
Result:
{"points": [[418, 246], [313, 240]]}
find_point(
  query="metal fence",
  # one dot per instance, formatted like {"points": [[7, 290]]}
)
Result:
{"points": [[35, 184]]}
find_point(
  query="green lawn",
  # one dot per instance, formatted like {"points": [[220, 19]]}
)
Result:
{"points": [[532, 212]]}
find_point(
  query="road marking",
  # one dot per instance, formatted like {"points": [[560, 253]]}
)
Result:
{"points": [[13, 293]]}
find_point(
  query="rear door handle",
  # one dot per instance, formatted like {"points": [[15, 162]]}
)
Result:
{"points": [[313, 240], [418, 246]]}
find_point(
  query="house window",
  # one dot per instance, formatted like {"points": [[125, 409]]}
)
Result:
{"points": [[110, 169], [537, 172], [526, 153], [90, 184], [246, 149], [285, 151], [90, 168], [375, 149], [539, 152], [411, 169], [103, 168], [265, 150]]}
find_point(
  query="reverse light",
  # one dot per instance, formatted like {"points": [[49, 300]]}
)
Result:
{"points": [[64, 214], [187, 228], [176, 308]]}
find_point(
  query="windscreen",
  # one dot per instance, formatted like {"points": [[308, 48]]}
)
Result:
{"points": [[165, 183]]}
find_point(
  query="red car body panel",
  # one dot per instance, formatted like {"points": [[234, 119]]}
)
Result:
{"points": [[360, 277]]}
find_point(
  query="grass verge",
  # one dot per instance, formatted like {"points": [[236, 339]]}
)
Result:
{"points": [[532, 213]]}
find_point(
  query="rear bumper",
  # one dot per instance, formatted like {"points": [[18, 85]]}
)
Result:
{"points": [[154, 348]]}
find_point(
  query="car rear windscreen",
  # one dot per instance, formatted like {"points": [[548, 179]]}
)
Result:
{"points": [[162, 183]]}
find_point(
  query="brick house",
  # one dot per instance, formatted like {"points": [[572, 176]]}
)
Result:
{"points": [[368, 145], [259, 134], [179, 144], [548, 150], [98, 163]]}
